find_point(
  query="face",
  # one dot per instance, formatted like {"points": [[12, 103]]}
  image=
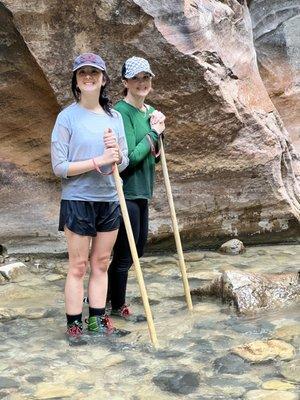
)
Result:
{"points": [[89, 79], [140, 85]]}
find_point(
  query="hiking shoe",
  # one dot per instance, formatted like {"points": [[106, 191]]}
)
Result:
{"points": [[123, 312], [74, 334], [74, 329], [101, 324], [126, 313]]}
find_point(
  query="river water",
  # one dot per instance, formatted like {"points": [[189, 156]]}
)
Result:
{"points": [[195, 358]]}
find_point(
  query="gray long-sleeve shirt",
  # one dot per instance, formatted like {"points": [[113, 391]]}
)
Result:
{"points": [[77, 136]]}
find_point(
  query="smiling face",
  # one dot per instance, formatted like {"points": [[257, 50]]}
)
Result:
{"points": [[140, 85], [89, 79]]}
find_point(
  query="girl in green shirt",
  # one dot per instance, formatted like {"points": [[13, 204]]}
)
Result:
{"points": [[143, 125]]}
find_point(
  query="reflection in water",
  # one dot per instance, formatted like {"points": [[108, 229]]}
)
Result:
{"points": [[194, 360]]}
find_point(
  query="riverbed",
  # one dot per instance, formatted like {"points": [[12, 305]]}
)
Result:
{"points": [[195, 359]]}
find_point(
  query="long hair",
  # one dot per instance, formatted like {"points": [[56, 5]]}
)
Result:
{"points": [[125, 90], [104, 100]]}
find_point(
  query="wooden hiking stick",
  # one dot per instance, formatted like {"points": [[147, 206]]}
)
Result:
{"points": [[135, 258], [175, 226]]}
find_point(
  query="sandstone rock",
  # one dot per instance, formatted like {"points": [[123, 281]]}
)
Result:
{"points": [[276, 24], [232, 164], [259, 351], [270, 395], [252, 291], [11, 271], [233, 247]]}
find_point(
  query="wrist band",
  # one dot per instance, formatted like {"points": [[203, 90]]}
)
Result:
{"points": [[101, 172]]}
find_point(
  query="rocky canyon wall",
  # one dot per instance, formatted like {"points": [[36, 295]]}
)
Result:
{"points": [[232, 163]]}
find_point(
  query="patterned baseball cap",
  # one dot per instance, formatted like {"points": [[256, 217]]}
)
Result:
{"points": [[134, 66], [89, 59]]}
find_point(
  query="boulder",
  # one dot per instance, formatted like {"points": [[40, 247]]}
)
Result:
{"points": [[251, 292], [233, 247]]}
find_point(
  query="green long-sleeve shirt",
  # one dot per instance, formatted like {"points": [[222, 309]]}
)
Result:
{"points": [[138, 177]]}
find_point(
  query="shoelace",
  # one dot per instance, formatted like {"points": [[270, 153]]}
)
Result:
{"points": [[74, 330]]}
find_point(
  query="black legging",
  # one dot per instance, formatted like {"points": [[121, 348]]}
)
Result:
{"points": [[122, 260]]}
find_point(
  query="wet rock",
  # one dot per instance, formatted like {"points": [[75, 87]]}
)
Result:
{"points": [[255, 328], [232, 247], [194, 256], [231, 364], [277, 385], [259, 351], [270, 395], [54, 277], [291, 370], [164, 354], [8, 383], [53, 391], [35, 379], [179, 382], [251, 291], [7, 314], [11, 271]]}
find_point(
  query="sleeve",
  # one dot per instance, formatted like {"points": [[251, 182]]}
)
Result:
{"points": [[60, 148], [136, 152], [122, 144]]}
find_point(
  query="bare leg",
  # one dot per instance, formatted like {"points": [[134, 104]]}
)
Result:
{"points": [[78, 249], [101, 250]]}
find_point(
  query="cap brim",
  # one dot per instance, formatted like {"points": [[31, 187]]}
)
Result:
{"points": [[129, 76], [88, 65]]}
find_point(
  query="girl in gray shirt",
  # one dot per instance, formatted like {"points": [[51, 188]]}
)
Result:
{"points": [[88, 140]]}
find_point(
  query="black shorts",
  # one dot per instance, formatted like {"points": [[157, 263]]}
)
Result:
{"points": [[89, 217]]}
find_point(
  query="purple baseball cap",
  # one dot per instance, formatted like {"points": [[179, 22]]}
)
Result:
{"points": [[89, 59]]}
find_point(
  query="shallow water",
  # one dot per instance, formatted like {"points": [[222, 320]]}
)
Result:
{"points": [[194, 359]]}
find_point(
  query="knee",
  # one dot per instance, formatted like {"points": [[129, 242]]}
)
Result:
{"points": [[100, 262], [77, 268]]}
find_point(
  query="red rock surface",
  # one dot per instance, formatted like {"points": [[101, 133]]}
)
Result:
{"points": [[232, 164]]}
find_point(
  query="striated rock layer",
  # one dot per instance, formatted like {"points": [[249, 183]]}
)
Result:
{"points": [[232, 164], [276, 32]]}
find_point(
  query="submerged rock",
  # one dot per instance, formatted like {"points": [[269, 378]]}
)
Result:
{"points": [[291, 370], [259, 351], [233, 247], [251, 291], [179, 382], [231, 364]]}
